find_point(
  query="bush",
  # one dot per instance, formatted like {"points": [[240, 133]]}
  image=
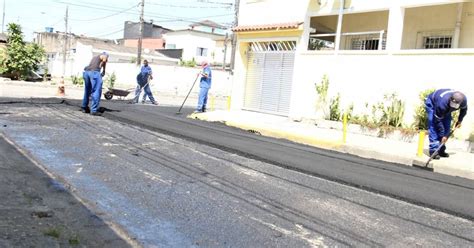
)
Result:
{"points": [[390, 112], [19, 58], [189, 63], [334, 108], [421, 119], [322, 91], [110, 80], [77, 80]]}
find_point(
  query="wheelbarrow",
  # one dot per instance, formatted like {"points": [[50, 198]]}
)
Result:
{"points": [[109, 94]]}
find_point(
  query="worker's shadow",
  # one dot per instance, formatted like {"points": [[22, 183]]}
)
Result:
{"points": [[103, 110]]}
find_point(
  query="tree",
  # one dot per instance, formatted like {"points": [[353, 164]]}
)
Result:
{"points": [[19, 58]]}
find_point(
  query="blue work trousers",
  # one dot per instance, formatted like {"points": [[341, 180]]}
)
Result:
{"points": [[147, 92], [434, 136], [92, 89], [202, 102]]}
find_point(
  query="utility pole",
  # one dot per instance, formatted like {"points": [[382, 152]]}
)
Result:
{"points": [[140, 38], [234, 38], [66, 17], [225, 51], [3, 18]]}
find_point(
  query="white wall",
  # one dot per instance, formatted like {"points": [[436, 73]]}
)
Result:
{"points": [[170, 79], [366, 78]]}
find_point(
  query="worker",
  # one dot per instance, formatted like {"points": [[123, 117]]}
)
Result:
{"points": [[205, 85], [143, 81], [439, 106], [93, 83]]}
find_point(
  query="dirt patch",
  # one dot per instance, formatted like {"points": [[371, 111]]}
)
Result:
{"points": [[37, 211]]}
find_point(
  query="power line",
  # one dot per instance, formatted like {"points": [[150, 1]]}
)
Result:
{"points": [[104, 17], [190, 6]]}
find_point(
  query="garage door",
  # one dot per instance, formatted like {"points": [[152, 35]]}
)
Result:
{"points": [[269, 77]]}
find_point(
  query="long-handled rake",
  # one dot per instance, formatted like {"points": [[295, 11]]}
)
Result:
{"points": [[195, 80]]}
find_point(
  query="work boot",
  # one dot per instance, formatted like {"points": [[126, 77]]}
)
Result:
{"points": [[154, 103], [96, 113], [85, 110], [444, 154], [436, 157]]}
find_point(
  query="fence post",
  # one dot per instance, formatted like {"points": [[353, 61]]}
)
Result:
{"points": [[228, 103], [421, 143], [344, 128], [212, 102]]}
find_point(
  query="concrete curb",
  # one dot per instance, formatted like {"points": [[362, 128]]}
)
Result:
{"points": [[336, 145]]}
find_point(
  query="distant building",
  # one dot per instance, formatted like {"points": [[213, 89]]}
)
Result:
{"points": [[53, 42], [209, 27], [152, 35], [199, 45]]}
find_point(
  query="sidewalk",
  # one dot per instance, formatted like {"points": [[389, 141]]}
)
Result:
{"points": [[460, 163]]}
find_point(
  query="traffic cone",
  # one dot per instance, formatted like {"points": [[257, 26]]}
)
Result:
{"points": [[61, 88]]}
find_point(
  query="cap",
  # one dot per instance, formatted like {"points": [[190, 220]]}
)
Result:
{"points": [[105, 53], [456, 100]]}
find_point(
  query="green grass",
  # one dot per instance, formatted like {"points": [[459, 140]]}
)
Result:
{"points": [[53, 232], [74, 240]]}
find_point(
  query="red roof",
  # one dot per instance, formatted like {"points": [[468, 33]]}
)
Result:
{"points": [[287, 25]]}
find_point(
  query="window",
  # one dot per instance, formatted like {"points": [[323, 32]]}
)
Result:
{"points": [[365, 42], [437, 39], [170, 46], [437, 42], [201, 52]]}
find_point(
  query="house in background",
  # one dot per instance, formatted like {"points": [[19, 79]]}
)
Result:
{"points": [[152, 35], [208, 26], [204, 40], [367, 48], [53, 42]]}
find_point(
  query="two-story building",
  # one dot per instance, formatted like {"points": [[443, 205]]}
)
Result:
{"points": [[367, 48]]}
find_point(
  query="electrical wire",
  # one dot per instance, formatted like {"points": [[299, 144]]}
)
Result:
{"points": [[104, 17]]}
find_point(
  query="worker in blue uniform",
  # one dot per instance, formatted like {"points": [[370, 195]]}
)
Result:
{"points": [[439, 106], [143, 79], [204, 85], [93, 83]]}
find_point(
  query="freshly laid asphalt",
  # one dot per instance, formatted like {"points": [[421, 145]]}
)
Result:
{"points": [[203, 189], [452, 195]]}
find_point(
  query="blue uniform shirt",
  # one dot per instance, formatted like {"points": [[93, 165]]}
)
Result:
{"points": [[440, 100], [206, 81], [145, 71], [142, 77]]}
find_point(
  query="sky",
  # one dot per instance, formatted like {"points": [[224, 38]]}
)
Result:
{"points": [[105, 18]]}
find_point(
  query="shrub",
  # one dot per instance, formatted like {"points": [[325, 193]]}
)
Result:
{"points": [[334, 108], [77, 80], [390, 111], [421, 120], [110, 80], [322, 91]]}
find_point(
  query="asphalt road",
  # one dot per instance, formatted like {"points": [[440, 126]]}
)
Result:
{"points": [[175, 182]]}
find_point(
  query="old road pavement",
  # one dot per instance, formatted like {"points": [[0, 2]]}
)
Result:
{"points": [[168, 181]]}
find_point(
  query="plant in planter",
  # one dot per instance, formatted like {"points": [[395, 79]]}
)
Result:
{"points": [[421, 119]]}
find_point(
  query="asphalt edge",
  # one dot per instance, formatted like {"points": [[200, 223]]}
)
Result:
{"points": [[120, 231], [339, 146]]}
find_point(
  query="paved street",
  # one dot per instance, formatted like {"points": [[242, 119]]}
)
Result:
{"points": [[168, 181]]}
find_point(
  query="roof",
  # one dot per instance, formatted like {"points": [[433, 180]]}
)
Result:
{"points": [[266, 27], [107, 47], [208, 23], [214, 35], [149, 23]]}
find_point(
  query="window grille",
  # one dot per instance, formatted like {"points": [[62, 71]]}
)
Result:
{"points": [[437, 42], [273, 46], [366, 42], [437, 39]]}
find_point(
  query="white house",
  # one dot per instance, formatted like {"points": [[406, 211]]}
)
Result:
{"points": [[199, 45], [367, 48]]}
